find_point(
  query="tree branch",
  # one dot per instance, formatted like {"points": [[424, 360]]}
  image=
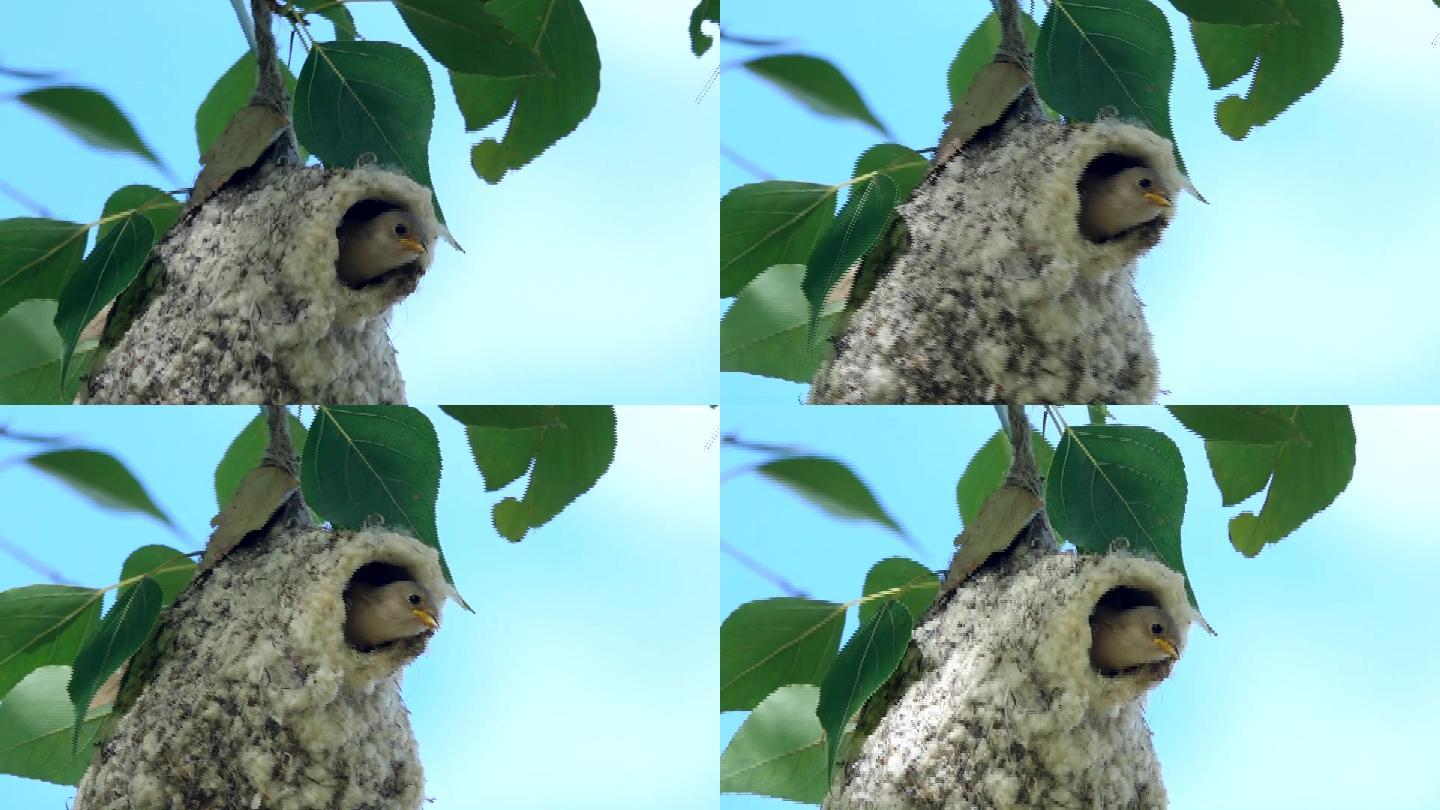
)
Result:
{"points": [[269, 87], [1015, 50], [280, 450]]}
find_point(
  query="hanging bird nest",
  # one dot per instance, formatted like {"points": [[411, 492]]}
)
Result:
{"points": [[257, 699], [245, 305], [1001, 707], [999, 297]]}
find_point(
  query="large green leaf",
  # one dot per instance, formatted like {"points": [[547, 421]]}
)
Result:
{"points": [[467, 37], [832, 486], [1293, 60], [903, 165], [850, 236], [119, 635], [546, 107], [368, 99], [1114, 54], [42, 625], [505, 417], [361, 461], [106, 272], [1308, 461], [35, 729], [765, 331], [90, 116], [569, 459], [899, 578], [780, 749], [245, 452], [36, 258], [160, 208], [231, 92], [817, 84], [769, 643], [864, 664], [989, 466], [1235, 12], [700, 42], [769, 223], [334, 11], [30, 363], [1119, 486], [100, 477], [169, 568]]}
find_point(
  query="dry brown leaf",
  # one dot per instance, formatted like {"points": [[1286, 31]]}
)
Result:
{"points": [[110, 690], [263, 491], [986, 99], [1003, 516], [250, 132]]}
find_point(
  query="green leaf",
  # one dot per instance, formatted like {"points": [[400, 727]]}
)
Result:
{"points": [[765, 331], [100, 477], [769, 223], [1107, 54], [334, 11], [90, 116], [1263, 424], [1119, 486], [167, 567], [231, 92], [1235, 12], [817, 84], [503, 455], [155, 205], [119, 635], [989, 466], [1005, 513], [361, 461], [36, 257], [779, 750], [30, 364], [850, 236], [1099, 414], [700, 42], [366, 98], [904, 166], [42, 625], [245, 452], [505, 417], [546, 107], [899, 578], [830, 485], [1309, 465], [978, 50], [1293, 60], [35, 726], [467, 38], [864, 664], [115, 262], [769, 643], [569, 459]]}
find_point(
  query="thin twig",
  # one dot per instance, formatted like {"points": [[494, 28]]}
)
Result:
{"points": [[280, 450], [764, 573], [744, 163], [33, 564], [14, 194], [245, 23]]}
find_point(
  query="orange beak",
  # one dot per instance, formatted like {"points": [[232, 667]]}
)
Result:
{"points": [[1169, 648], [1157, 199], [414, 246], [424, 615]]}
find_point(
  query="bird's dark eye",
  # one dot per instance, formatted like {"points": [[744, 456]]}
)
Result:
{"points": [[401, 230], [1157, 629], [415, 600], [1144, 182]]}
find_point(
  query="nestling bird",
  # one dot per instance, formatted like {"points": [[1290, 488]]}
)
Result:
{"points": [[1111, 204], [1121, 639], [377, 614], [373, 246]]}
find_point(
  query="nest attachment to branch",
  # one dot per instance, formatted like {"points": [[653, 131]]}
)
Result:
{"points": [[258, 701], [999, 297], [243, 304], [1001, 706]]}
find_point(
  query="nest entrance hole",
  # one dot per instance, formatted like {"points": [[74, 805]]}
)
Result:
{"points": [[368, 209], [378, 573]]}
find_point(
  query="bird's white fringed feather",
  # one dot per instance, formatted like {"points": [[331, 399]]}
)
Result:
{"points": [[999, 296], [1004, 708], [250, 309], [259, 701]]}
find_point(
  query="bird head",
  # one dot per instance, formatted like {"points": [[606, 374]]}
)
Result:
{"points": [[379, 614], [1112, 204], [371, 247], [1134, 637]]}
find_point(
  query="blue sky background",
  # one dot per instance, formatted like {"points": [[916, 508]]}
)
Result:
{"points": [[1308, 277], [586, 677], [1318, 692], [589, 275]]}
